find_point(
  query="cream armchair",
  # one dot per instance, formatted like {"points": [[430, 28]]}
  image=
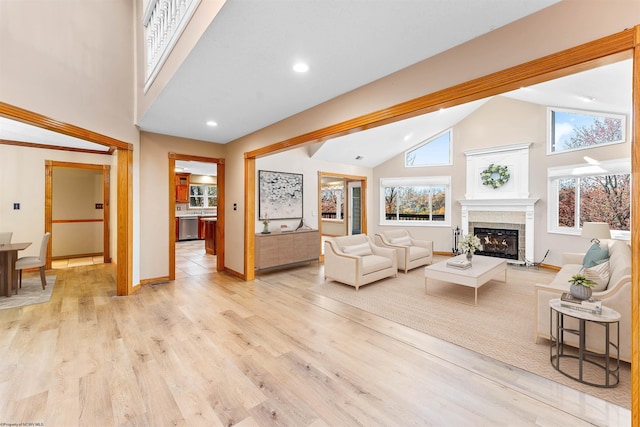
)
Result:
{"points": [[412, 253], [356, 261]]}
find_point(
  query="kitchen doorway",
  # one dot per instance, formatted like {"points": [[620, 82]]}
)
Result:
{"points": [[196, 218]]}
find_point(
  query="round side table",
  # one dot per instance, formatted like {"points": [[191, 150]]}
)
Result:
{"points": [[607, 361]]}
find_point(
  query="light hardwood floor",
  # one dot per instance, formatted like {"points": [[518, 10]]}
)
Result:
{"points": [[212, 350]]}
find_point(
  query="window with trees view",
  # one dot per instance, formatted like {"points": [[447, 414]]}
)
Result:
{"points": [[575, 130], [585, 196], [415, 200], [333, 201], [432, 152], [203, 196]]}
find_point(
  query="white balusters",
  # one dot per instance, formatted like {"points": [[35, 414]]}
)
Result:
{"points": [[163, 22]]}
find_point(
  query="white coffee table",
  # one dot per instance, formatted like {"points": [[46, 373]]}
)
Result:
{"points": [[483, 269]]}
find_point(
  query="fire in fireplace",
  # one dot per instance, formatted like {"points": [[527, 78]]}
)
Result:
{"points": [[498, 242]]}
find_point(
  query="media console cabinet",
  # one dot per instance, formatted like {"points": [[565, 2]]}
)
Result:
{"points": [[283, 249]]}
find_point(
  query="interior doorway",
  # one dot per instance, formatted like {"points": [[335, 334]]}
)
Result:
{"points": [[341, 205], [196, 203], [77, 203]]}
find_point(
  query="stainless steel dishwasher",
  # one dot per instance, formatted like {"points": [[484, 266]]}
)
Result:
{"points": [[188, 228]]}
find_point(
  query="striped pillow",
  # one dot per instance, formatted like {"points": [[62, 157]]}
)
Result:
{"points": [[599, 274]]}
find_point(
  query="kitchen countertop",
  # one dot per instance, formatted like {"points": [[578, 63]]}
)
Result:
{"points": [[179, 215]]}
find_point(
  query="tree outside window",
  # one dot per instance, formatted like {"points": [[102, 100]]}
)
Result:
{"points": [[595, 198], [332, 201], [576, 130], [203, 196], [432, 152], [425, 200]]}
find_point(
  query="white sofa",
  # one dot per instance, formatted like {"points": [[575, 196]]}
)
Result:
{"points": [[411, 252], [356, 261], [617, 296]]}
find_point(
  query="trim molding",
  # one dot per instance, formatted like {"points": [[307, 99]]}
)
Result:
{"points": [[39, 120]]}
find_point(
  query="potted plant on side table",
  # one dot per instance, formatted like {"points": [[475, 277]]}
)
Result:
{"points": [[581, 286]]}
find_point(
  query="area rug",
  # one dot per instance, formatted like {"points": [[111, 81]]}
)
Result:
{"points": [[501, 326], [30, 293]]}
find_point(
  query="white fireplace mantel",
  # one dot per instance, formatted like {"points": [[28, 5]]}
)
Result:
{"points": [[525, 205]]}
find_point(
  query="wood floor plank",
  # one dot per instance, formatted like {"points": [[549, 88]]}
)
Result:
{"points": [[213, 350]]}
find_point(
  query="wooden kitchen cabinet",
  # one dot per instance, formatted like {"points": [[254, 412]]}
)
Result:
{"points": [[182, 188], [280, 249]]}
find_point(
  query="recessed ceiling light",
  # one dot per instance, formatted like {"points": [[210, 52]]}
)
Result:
{"points": [[212, 123], [300, 67]]}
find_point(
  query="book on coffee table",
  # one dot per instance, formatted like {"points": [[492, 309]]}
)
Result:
{"points": [[460, 263], [592, 305]]}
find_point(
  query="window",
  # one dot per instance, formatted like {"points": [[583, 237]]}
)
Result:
{"points": [[432, 152], [333, 200], [590, 193], [417, 201], [203, 196], [571, 130]]}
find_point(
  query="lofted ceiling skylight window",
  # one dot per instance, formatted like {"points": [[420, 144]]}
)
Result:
{"points": [[433, 152]]}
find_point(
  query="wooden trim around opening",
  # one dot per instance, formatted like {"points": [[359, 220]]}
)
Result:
{"points": [[48, 211], [220, 182]]}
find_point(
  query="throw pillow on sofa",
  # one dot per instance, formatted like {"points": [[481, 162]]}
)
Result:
{"points": [[363, 249], [403, 241], [599, 274], [595, 255]]}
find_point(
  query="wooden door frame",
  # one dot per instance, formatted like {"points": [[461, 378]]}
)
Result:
{"points": [[48, 203], [124, 201], [608, 49], [172, 209], [347, 178]]}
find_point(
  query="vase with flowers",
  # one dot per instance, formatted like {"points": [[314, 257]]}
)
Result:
{"points": [[265, 222], [469, 244]]}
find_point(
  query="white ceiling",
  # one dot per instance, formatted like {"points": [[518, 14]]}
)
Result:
{"points": [[239, 74]]}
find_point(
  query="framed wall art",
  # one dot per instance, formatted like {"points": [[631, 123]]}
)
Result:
{"points": [[280, 195]]}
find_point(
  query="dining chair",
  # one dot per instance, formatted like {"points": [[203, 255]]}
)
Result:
{"points": [[35, 261], [5, 237]]}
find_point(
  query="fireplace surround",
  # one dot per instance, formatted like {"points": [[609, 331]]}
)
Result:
{"points": [[507, 206]]}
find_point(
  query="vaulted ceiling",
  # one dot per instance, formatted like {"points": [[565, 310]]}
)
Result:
{"points": [[240, 72]]}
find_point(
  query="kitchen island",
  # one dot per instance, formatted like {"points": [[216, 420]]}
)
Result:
{"points": [[210, 234]]}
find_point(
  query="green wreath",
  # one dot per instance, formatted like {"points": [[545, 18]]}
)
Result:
{"points": [[495, 176]]}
